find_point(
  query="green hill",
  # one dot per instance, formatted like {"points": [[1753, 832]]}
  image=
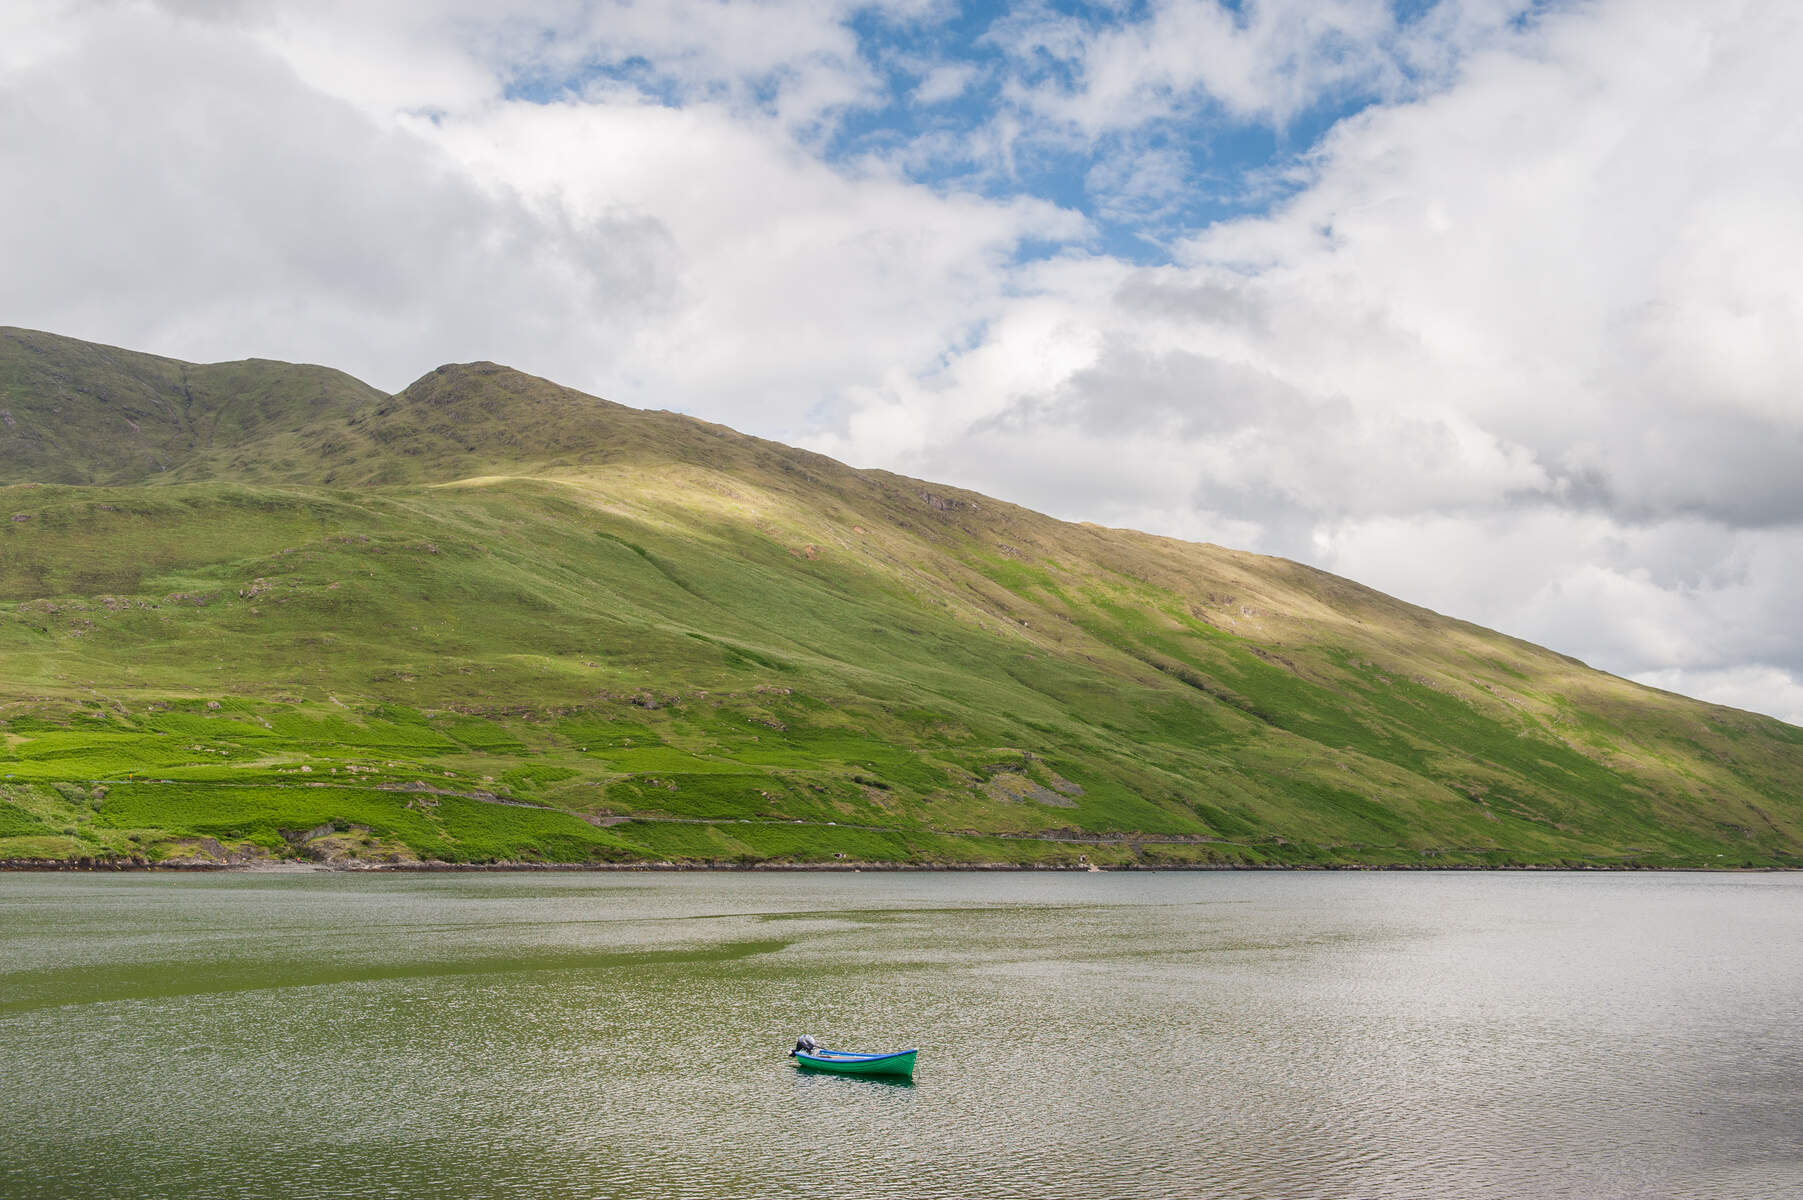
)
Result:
{"points": [[77, 413], [258, 610]]}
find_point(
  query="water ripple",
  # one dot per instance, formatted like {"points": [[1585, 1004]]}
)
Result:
{"points": [[1230, 1036]]}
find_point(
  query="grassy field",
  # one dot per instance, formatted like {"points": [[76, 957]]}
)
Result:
{"points": [[490, 619]]}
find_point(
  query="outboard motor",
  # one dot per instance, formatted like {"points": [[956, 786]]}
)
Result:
{"points": [[805, 1044]]}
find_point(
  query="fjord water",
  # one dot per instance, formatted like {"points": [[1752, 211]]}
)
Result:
{"points": [[1114, 1035]]}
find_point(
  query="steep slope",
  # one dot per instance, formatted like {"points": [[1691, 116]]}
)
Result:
{"points": [[494, 618]]}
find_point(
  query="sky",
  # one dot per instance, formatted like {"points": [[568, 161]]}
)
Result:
{"points": [[1490, 304]]}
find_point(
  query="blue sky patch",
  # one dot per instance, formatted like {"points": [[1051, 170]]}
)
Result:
{"points": [[963, 100]]}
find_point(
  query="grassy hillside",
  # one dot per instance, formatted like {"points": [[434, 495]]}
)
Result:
{"points": [[493, 619], [74, 412]]}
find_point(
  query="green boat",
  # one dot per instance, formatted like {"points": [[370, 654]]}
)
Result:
{"points": [[810, 1056]]}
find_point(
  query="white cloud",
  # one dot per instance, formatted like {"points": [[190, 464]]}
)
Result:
{"points": [[212, 180], [241, 212], [796, 58], [795, 281], [1268, 60], [1760, 689], [946, 81]]}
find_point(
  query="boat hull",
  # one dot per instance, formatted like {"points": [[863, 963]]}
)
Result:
{"points": [[901, 1063]]}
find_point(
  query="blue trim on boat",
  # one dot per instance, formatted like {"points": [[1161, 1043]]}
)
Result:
{"points": [[852, 1055]]}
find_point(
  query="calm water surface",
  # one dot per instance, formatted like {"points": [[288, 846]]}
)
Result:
{"points": [[1117, 1035]]}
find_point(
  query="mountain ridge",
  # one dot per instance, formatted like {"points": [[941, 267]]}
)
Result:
{"points": [[138, 415], [685, 643]]}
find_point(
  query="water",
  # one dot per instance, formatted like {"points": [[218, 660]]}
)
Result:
{"points": [[1116, 1035]]}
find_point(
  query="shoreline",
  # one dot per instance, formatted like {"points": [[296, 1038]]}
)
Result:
{"points": [[69, 866]]}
